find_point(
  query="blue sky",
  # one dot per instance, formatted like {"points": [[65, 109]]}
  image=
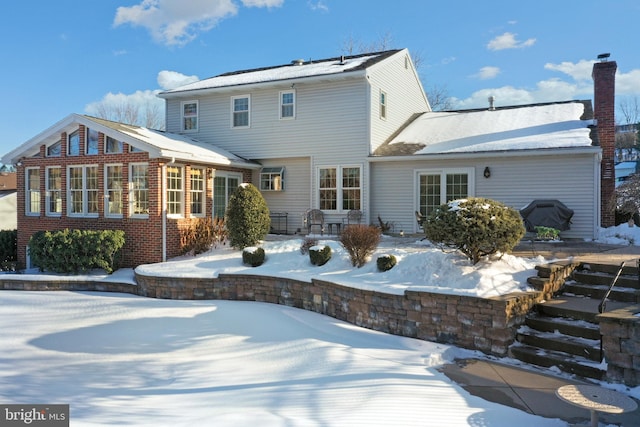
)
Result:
{"points": [[59, 57]]}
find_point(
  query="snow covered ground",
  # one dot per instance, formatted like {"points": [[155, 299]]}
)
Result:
{"points": [[126, 360]]}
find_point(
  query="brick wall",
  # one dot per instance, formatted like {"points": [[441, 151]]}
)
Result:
{"points": [[604, 112]]}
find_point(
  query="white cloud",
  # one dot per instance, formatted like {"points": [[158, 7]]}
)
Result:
{"points": [[318, 5], [168, 80], [579, 71], [178, 22], [508, 41], [487, 73]]}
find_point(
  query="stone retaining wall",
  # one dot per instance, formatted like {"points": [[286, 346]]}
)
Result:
{"points": [[620, 331]]}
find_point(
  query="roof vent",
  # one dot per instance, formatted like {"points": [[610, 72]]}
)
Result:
{"points": [[342, 60], [492, 100], [298, 62]]}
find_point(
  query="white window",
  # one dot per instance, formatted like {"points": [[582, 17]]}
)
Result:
{"points": [[189, 110], [54, 150], [272, 179], [54, 191], [73, 144], [287, 104], [91, 145], [224, 184], [340, 188], [139, 190], [439, 186], [32, 190], [82, 191], [240, 109], [112, 146], [175, 191], [383, 105], [113, 190], [197, 193]]}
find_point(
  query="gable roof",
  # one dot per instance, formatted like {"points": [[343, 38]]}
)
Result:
{"points": [[526, 127], [300, 69], [158, 144]]}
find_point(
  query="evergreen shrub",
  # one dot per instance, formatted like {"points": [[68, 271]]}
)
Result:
{"points": [[475, 226], [319, 255], [8, 250], [253, 256], [360, 241], [247, 217], [386, 262], [74, 251]]}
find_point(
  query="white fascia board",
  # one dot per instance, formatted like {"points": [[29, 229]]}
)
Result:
{"points": [[593, 150]]}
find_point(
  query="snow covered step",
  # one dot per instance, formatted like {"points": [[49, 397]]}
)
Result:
{"points": [[565, 362], [618, 293], [575, 307], [577, 346], [590, 277], [576, 328]]}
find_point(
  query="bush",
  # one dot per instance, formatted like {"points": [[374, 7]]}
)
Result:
{"points": [[202, 234], [73, 251], [360, 241], [247, 217], [476, 226], [253, 256], [306, 244], [547, 233], [319, 255], [8, 250], [386, 262]]}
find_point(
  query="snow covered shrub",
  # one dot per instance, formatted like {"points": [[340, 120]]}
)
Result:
{"points": [[306, 244], [319, 255], [253, 256], [360, 241], [247, 217], [72, 251], [202, 234], [386, 262], [475, 226], [8, 250]]}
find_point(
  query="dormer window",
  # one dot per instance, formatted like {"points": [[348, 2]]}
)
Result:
{"points": [[189, 116]]}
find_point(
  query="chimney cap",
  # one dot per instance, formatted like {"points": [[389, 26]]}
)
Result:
{"points": [[603, 56]]}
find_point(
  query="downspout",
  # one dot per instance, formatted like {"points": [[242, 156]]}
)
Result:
{"points": [[597, 160], [163, 199]]}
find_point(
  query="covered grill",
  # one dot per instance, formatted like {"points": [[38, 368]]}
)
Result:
{"points": [[546, 213]]}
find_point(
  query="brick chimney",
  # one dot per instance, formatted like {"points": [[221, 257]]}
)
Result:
{"points": [[604, 82]]}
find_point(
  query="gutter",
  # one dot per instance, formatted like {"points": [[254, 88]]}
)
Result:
{"points": [[485, 154]]}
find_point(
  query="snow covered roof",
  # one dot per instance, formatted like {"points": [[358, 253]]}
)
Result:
{"points": [[527, 127], [295, 70]]}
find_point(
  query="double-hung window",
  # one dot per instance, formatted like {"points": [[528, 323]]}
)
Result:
{"points": [[54, 191], [82, 188], [175, 191], [189, 110], [91, 145], [139, 190], [436, 187], [340, 188], [32, 196], [73, 144], [240, 111], [287, 104], [197, 194], [113, 190], [383, 104]]}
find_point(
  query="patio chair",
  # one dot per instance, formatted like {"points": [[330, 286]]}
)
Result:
{"points": [[354, 216], [315, 217], [421, 219]]}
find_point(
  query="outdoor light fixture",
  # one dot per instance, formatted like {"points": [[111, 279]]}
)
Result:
{"points": [[487, 172]]}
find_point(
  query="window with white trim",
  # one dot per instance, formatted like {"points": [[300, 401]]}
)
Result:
{"points": [[287, 104], [139, 190], [189, 111], [175, 190], [82, 191], [340, 188], [54, 150], [112, 146], [91, 142], [224, 184], [383, 104], [272, 178], [32, 196], [436, 187], [73, 144], [54, 191], [240, 111], [113, 190], [197, 192]]}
